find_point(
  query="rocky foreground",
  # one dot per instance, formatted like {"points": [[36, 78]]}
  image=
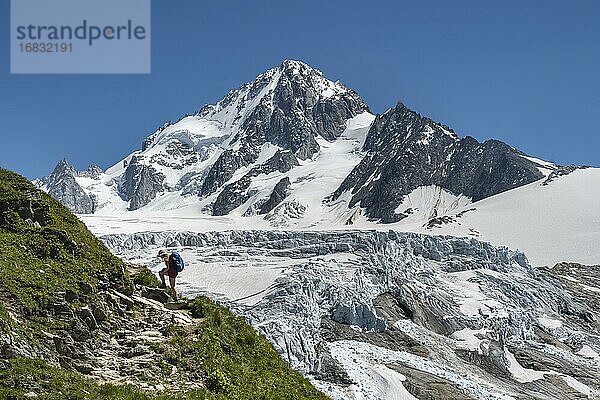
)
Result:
{"points": [[118, 339]]}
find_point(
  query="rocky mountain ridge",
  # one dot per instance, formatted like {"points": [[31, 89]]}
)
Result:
{"points": [[62, 185], [405, 151], [215, 161]]}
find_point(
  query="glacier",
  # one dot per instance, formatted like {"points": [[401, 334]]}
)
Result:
{"points": [[373, 314]]}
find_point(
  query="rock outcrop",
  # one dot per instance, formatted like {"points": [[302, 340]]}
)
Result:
{"points": [[277, 195], [235, 194], [406, 151], [62, 185], [141, 183]]}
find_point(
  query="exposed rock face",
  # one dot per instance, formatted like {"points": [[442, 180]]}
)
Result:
{"points": [[561, 171], [457, 317], [426, 386], [61, 185], [223, 169], [235, 194], [391, 339], [277, 196], [232, 196], [141, 183], [582, 282], [298, 106], [92, 171], [301, 110], [406, 151], [282, 161], [33, 211]]}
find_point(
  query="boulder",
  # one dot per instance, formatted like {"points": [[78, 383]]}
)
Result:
{"points": [[157, 294]]}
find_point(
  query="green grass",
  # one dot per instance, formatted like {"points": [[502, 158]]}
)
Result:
{"points": [[62, 259], [38, 264], [237, 362], [5, 320], [147, 278]]}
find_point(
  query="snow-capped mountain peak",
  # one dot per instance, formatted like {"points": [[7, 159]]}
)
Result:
{"points": [[238, 104], [63, 185], [294, 149], [62, 166], [284, 112], [228, 115], [400, 124]]}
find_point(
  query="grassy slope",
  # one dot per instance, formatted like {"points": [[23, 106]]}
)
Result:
{"points": [[36, 264]]}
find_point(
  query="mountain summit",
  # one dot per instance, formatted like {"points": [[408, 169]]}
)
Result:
{"points": [[293, 149], [273, 121], [62, 185]]}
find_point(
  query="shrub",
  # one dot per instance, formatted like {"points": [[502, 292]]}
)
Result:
{"points": [[145, 277]]}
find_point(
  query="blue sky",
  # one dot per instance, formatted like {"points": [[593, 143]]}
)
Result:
{"points": [[525, 72]]}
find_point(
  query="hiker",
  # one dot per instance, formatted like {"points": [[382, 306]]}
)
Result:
{"points": [[174, 265]]}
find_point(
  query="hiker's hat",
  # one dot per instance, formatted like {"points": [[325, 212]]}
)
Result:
{"points": [[162, 253]]}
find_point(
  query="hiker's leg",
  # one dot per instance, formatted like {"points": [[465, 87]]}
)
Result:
{"points": [[161, 273], [172, 283]]}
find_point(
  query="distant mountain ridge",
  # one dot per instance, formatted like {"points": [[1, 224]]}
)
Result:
{"points": [[62, 185], [406, 151], [293, 146]]}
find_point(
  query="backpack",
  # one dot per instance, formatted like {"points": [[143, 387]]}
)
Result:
{"points": [[177, 261]]}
